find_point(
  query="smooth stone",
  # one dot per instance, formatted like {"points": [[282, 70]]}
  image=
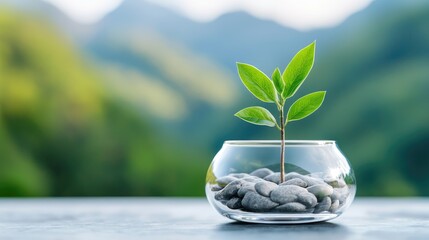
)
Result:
{"points": [[295, 181], [246, 187], [335, 195], [239, 175], [274, 177], [310, 210], [234, 203], [292, 207], [229, 190], [324, 205], [261, 172], [321, 190], [223, 181], [257, 203], [308, 199], [309, 180], [343, 193], [334, 182], [334, 206], [286, 193], [253, 179], [292, 175], [341, 183], [264, 188], [216, 188]]}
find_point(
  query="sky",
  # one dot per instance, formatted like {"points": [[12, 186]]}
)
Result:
{"points": [[86, 11], [302, 15]]}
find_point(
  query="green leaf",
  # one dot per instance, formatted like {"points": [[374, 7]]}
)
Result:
{"points": [[297, 70], [257, 82], [278, 80], [305, 106], [257, 115]]}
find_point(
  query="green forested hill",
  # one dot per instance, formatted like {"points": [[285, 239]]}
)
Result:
{"points": [[63, 133]]}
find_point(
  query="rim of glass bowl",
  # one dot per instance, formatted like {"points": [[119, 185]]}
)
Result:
{"points": [[277, 142]]}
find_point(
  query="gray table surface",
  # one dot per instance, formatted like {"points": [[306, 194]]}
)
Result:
{"points": [[193, 218]]}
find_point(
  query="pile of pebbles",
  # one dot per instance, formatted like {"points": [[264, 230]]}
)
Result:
{"points": [[260, 191]]}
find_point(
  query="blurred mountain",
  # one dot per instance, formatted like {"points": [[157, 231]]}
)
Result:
{"points": [[226, 40], [157, 38]]}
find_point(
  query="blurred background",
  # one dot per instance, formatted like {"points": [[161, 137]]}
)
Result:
{"points": [[132, 97]]}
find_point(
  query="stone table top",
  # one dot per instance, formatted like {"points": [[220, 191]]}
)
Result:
{"points": [[193, 218]]}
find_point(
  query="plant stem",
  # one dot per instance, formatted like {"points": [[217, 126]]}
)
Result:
{"points": [[282, 146]]}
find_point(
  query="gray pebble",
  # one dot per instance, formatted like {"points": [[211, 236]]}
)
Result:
{"points": [[292, 207], [223, 181], [341, 183], [308, 199], [239, 175], [343, 193], [334, 182], [295, 181], [216, 188], [257, 203], [253, 179], [334, 206], [309, 180], [264, 188], [324, 205], [292, 175], [286, 193], [335, 195], [229, 191], [234, 203], [321, 190], [273, 177], [261, 172], [246, 187], [329, 178]]}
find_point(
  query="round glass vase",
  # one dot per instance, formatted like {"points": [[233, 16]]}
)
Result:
{"points": [[243, 182]]}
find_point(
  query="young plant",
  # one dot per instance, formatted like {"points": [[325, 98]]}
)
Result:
{"points": [[277, 90]]}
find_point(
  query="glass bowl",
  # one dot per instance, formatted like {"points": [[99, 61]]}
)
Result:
{"points": [[243, 182]]}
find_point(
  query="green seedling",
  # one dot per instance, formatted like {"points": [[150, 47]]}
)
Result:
{"points": [[277, 90]]}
